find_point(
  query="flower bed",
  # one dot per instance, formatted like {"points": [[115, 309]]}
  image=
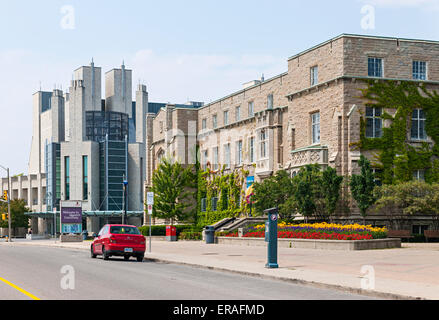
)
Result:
{"points": [[322, 231]]}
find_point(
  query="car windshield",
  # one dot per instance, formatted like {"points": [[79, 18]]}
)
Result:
{"points": [[124, 230]]}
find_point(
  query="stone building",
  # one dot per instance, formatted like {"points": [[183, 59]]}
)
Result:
{"points": [[308, 114]]}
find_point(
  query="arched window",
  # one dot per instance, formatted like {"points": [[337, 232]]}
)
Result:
{"points": [[160, 156]]}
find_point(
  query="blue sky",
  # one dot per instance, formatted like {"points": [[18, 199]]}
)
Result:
{"points": [[197, 50]]}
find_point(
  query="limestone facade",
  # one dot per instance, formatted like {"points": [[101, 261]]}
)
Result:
{"points": [[308, 114]]}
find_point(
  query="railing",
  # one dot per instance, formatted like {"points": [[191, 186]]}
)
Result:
{"points": [[309, 155]]}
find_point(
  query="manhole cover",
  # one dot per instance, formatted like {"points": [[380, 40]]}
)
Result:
{"points": [[210, 254]]}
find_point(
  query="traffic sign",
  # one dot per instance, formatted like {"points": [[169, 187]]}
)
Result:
{"points": [[150, 198], [149, 208]]}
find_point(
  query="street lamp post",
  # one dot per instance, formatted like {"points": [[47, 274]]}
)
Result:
{"points": [[49, 200], [124, 211], [9, 205]]}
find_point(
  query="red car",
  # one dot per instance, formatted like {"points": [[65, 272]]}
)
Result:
{"points": [[119, 240]]}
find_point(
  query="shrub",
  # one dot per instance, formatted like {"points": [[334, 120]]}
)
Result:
{"points": [[189, 235], [161, 230]]}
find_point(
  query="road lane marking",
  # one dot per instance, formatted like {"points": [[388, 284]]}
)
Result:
{"points": [[19, 289]]}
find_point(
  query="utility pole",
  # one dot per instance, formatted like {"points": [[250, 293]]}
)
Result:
{"points": [[9, 205], [9, 209], [124, 211]]}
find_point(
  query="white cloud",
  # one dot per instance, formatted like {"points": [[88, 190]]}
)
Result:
{"points": [[200, 77]]}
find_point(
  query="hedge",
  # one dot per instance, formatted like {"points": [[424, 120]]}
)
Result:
{"points": [[189, 235], [161, 230]]}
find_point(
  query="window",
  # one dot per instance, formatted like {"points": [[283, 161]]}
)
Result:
{"points": [[315, 127], [239, 152], [85, 178], [374, 122], [160, 156], [270, 101], [263, 144], [252, 150], [67, 177], [419, 229], [419, 70], [204, 124], [238, 113], [226, 118], [418, 125], [314, 76], [293, 139], [251, 109], [124, 230], [227, 155], [377, 176], [214, 204], [205, 159], [215, 158], [203, 205], [215, 121], [419, 175], [375, 67]]}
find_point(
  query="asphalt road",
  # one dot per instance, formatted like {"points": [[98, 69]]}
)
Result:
{"points": [[37, 271]]}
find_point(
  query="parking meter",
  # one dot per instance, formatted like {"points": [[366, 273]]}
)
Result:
{"points": [[267, 231], [271, 237]]}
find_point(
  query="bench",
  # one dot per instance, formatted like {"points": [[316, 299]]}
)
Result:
{"points": [[402, 234], [431, 234]]}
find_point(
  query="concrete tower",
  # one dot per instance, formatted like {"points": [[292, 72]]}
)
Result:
{"points": [[118, 91]]}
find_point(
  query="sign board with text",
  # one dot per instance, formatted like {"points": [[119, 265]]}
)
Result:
{"points": [[71, 217]]}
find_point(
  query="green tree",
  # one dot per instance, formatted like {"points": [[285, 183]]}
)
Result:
{"points": [[330, 186], [273, 192], [307, 188], [408, 198], [362, 187], [172, 187], [18, 213]]}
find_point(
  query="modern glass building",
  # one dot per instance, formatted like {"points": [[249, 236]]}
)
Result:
{"points": [[53, 175], [99, 124], [113, 167]]}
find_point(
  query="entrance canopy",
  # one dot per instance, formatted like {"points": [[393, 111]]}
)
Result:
{"points": [[103, 214]]}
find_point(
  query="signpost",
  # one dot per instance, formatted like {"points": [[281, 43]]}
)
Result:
{"points": [[71, 221], [54, 223], [124, 212], [150, 203]]}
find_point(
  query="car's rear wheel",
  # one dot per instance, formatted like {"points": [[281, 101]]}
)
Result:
{"points": [[92, 252], [105, 254], [140, 258]]}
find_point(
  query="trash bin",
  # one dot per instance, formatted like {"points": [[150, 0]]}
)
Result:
{"points": [[84, 235], [210, 234]]}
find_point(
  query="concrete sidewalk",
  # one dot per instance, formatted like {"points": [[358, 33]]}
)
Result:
{"points": [[410, 272]]}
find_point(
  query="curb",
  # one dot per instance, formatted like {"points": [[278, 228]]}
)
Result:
{"points": [[358, 291]]}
